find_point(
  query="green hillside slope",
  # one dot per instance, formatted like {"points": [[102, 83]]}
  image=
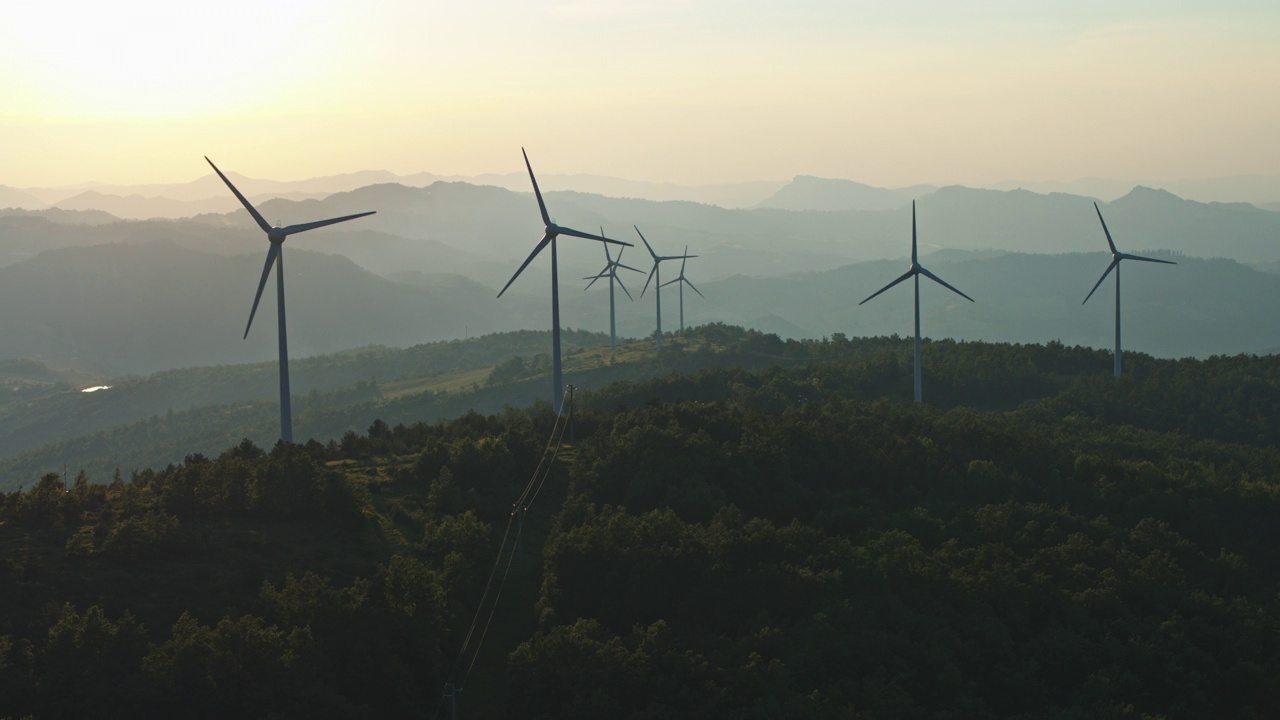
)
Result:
{"points": [[793, 540]]}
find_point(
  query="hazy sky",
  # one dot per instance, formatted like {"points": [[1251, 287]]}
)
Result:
{"points": [[889, 93]]}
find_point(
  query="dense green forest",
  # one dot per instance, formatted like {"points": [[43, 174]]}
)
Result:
{"points": [[775, 534]]}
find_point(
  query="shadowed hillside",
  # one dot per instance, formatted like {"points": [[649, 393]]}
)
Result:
{"points": [[124, 309], [791, 540]]}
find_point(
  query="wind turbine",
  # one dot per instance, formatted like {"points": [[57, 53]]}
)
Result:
{"points": [[916, 270], [1116, 257], [611, 271], [549, 234], [275, 254], [657, 260], [684, 281]]}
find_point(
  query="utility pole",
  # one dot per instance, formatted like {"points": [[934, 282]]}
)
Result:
{"points": [[571, 389], [452, 692]]}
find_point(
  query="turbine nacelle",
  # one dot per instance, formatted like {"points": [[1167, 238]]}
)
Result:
{"points": [[916, 269], [275, 236], [550, 229], [1116, 257]]}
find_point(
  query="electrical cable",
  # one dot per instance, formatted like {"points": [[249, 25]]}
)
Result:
{"points": [[535, 484]]}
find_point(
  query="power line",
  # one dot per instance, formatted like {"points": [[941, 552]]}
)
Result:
{"points": [[457, 678]]}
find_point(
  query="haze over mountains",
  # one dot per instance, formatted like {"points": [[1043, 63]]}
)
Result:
{"points": [[105, 300], [206, 195], [136, 309], [106, 296], [177, 200]]}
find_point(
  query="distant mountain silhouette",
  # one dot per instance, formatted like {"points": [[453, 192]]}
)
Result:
{"points": [[141, 208], [1255, 189], [1158, 218], [209, 193], [141, 307], [1196, 308], [812, 193], [136, 308], [726, 195], [801, 193], [15, 198], [63, 217], [482, 233], [207, 186], [489, 230]]}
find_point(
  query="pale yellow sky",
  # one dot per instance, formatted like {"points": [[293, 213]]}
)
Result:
{"points": [[888, 93]]}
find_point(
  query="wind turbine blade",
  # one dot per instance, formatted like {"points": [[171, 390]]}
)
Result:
{"points": [[669, 282], [542, 207], [647, 245], [266, 270], [593, 279], [537, 249], [303, 227], [1110, 244], [944, 284], [1126, 256], [626, 267], [266, 226], [624, 288], [589, 236], [684, 260], [913, 232], [609, 258], [1104, 277], [905, 275], [646, 282], [686, 282]]}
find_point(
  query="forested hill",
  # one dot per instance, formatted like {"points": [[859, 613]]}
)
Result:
{"points": [[793, 540], [158, 420]]}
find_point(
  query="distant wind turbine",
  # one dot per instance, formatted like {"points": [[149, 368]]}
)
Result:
{"points": [[1116, 257], [611, 271], [549, 234], [916, 270], [682, 280], [657, 261], [275, 254]]}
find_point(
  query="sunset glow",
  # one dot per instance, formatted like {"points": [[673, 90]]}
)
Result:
{"points": [[709, 92]]}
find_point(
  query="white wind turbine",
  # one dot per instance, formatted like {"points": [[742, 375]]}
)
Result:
{"points": [[611, 271], [275, 254], [549, 234], [1116, 257], [657, 261], [916, 270], [682, 280]]}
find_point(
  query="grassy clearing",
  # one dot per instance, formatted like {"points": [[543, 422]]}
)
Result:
{"points": [[459, 381]]}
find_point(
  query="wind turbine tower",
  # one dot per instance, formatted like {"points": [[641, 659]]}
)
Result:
{"points": [[275, 254], [611, 271], [1116, 257], [915, 271], [655, 272], [549, 234], [682, 280]]}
